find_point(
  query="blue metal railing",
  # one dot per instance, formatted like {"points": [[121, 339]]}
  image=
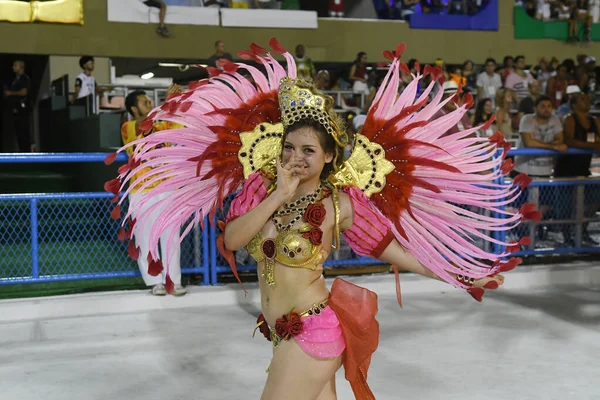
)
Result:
{"points": [[86, 245], [201, 256]]}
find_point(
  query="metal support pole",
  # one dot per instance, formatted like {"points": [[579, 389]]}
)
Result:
{"points": [[579, 213], [213, 255], [35, 270], [205, 252]]}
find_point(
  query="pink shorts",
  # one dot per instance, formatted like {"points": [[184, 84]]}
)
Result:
{"points": [[322, 335], [319, 334]]}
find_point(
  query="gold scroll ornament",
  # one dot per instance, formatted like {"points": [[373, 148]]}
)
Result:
{"points": [[366, 167], [56, 11]]}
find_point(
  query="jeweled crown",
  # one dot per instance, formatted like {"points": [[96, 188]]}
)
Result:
{"points": [[298, 100]]}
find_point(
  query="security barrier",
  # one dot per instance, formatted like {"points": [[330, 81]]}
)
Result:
{"points": [[70, 236]]}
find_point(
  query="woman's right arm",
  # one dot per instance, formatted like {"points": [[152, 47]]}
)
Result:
{"points": [[239, 231], [242, 229]]}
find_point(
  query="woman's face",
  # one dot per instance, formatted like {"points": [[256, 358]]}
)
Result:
{"points": [[508, 97], [363, 59], [487, 107], [303, 147], [468, 66]]}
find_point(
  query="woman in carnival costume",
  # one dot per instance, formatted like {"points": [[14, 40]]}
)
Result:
{"points": [[403, 196]]}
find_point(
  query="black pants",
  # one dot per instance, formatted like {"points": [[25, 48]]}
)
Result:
{"points": [[20, 118]]}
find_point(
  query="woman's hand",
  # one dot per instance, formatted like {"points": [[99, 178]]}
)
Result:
{"points": [[288, 178]]}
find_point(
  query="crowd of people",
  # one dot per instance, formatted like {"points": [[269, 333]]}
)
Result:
{"points": [[404, 9], [571, 11]]}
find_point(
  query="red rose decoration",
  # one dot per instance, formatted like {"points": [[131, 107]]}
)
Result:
{"points": [[263, 327], [289, 325], [294, 324], [281, 327], [315, 214], [315, 235]]}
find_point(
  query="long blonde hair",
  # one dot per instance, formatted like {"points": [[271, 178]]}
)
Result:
{"points": [[500, 96]]}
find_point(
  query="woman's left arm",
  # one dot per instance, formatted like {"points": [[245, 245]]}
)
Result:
{"points": [[368, 233], [395, 254]]}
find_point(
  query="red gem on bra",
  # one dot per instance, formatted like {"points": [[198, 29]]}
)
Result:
{"points": [[268, 248]]}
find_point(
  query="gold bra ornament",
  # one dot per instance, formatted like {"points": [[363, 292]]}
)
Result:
{"points": [[289, 248]]}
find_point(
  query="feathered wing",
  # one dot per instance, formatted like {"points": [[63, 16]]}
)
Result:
{"points": [[201, 168], [437, 179]]}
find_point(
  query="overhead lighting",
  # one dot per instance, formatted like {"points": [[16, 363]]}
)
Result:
{"points": [[147, 75], [180, 66], [169, 65]]}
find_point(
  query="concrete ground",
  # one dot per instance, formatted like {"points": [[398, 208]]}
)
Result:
{"points": [[536, 338]]}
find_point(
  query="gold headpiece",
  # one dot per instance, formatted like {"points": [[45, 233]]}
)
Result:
{"points": [[298, 100]]}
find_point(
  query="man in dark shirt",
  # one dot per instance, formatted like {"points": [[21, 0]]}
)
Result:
{"points": [[219, 54], [19, 109]]}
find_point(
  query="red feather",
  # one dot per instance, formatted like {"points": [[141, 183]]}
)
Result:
{"points": [[404, 68], [277, 48], [169, 285], [388, 55], [400, 49], [154, 267], [110, 158], [116, 213], [258, 50], [134, 252]]}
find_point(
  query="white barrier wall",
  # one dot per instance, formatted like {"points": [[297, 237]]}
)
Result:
{"points": [[136, 11]]}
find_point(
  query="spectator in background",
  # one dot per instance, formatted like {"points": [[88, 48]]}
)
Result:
{"points": [[508, 68], [304, 65], [544, 74], [19, 109], [382, 8], [518, 81], [407, 8], [580, 12], [541, 130], [565, 108], [504, 100], [219, 54], [468, 72], [456, 75], [85, 83], [160, 4], [590, 86], [139, 106], [322, 80], [543, 10], [557, 85], [457, 7], [489, 82], [581, 131], [527, 105], [483, 113], [358, 77]]}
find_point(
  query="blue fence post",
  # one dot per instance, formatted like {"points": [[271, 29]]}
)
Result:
{"points": [[213, 255], [35, 268], [206, 257]]}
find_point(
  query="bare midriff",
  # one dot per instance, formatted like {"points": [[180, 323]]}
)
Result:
{"points": [[295, 288]]}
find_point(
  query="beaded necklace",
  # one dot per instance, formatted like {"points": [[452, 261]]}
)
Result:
{"points": [[297, 208]]}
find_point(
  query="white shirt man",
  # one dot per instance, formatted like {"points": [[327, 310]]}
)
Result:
{"points": [[85, 83], [488, 82]]}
